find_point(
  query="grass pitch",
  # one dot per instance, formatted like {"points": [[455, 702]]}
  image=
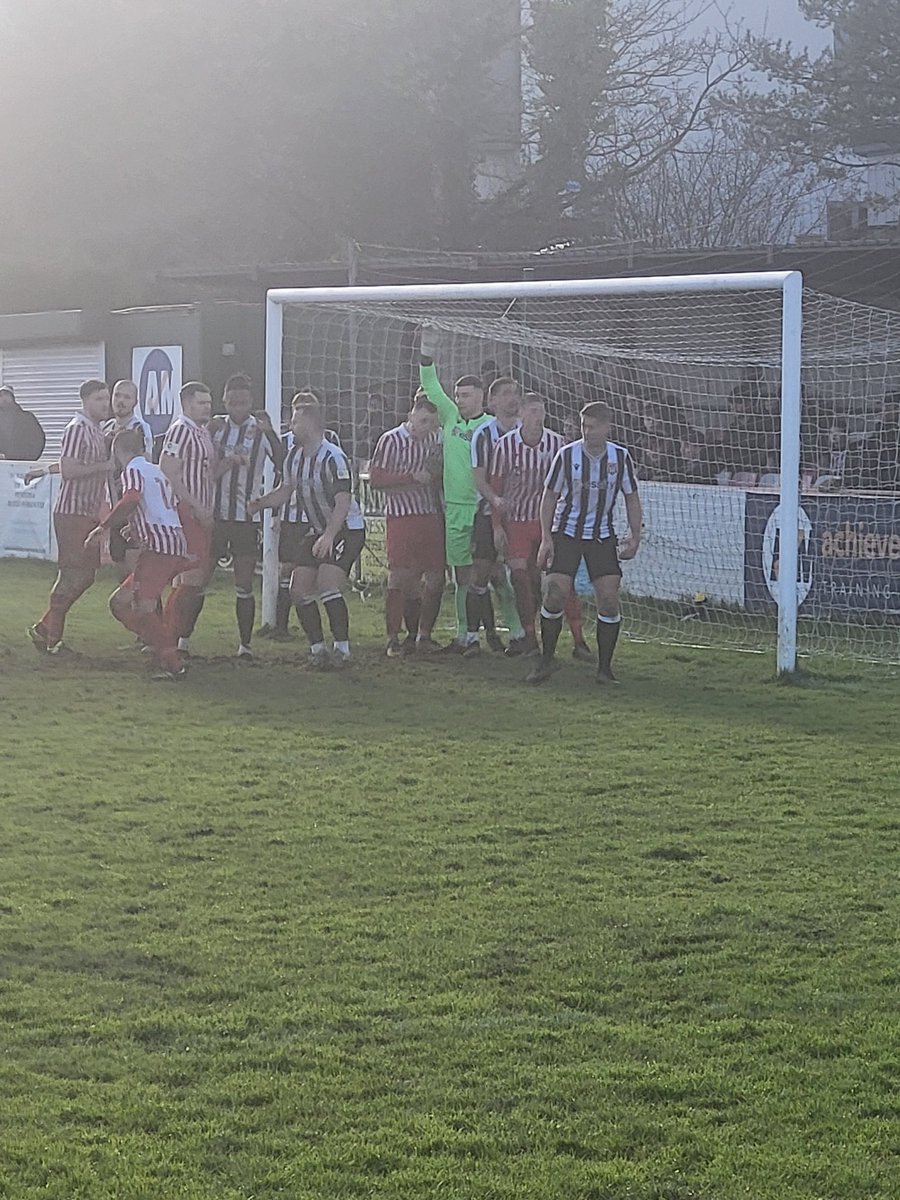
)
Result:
{"points": [[416, 930]]}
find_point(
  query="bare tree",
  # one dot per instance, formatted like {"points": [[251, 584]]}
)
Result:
{"points": [[726, 186], [613, 88]]}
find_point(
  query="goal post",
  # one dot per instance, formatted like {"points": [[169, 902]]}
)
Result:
{"points": [[575, 339]]}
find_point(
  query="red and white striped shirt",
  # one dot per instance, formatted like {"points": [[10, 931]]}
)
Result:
{"points": [[518, 472], [84, 442], [398, 456], [193, 445], [155, 522]]}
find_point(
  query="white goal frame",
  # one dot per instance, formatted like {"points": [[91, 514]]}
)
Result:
{"points": [[788, 283]]}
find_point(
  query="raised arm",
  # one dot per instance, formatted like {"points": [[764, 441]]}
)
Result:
{"points": [[431, 385]]}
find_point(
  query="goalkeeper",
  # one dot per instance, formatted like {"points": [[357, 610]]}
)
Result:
{"points": [[459, 418]]}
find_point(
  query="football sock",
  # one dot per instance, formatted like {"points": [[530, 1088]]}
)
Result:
{"points": [[180, 609], [525, 601], [338, 616], [393, 611], [192, 612], [283, 605], [607, 636], [506, 597], [475, 610], [462, 622], [311, 621], [245, 610], [431, 606], [551, 626], [412, 615]]}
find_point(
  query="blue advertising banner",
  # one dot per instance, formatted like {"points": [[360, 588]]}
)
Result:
{"points": [[849, 556]]}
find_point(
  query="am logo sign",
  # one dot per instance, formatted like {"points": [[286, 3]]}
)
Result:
{"points": [[157, 371]]}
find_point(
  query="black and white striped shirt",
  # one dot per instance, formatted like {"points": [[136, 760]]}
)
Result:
{"points": [[588, 488], [486, 438], [240, 484], [319, 479], [292, 512]]}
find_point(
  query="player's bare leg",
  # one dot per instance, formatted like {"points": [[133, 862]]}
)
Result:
{"points": [[526, 582], [609, 623], [555, 594], [70, 585]]}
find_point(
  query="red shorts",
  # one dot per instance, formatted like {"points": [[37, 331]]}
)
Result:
{"points": [[416, 543], [70, 535], [153, 573], [524, 538], [198, 538]]}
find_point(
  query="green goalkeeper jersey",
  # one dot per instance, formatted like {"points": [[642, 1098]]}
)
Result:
{"points": [[459, 485]]}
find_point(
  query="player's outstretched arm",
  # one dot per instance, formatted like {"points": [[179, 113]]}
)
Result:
{"points": [[273, 499]]}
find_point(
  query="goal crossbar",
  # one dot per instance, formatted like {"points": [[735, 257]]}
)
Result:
{"points": [[788, 283]]}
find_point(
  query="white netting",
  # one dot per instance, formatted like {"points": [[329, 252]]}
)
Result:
{"points": [[693, 379]]}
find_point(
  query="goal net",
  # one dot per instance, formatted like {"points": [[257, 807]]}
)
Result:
{"points": [[695, 370]]}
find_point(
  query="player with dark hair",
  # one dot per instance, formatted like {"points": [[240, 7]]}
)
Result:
{"points": [[333, 537], [406, 467], [84, 465], [582, 486], [148, 507], [187, 462], [504, 399], [460, 419], [244, 442]]}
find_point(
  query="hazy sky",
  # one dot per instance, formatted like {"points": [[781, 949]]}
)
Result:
{"points": [[779, 18]]}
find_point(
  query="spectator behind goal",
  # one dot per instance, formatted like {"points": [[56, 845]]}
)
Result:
{"points": [[22, 436]]}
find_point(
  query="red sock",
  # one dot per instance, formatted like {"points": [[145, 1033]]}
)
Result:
{"points": [[394, 605], [53, 621], [573, 616], [155, 633], [180, 608]]}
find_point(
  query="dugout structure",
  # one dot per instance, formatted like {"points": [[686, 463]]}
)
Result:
{"points": [[749, 366]]}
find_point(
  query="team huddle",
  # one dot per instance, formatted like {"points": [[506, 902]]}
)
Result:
{"points": [[492, 493]]}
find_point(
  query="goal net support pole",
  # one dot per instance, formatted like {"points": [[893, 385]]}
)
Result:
{"points": [[788, 283]]}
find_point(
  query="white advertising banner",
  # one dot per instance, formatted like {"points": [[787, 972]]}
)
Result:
{"points": [[157, 372], [26, 513]]}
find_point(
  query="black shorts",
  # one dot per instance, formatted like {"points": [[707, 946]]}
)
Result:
{"points": [[119, 546], [483, 549], [239, 539], [348, 546], [600, 558], [290, 542]]}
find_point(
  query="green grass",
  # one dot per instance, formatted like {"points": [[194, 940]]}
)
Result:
{"points": [[418, 931]]}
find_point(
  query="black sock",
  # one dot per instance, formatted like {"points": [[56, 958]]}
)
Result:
{"points": [[607, 636], [338, 618], [283, 607], [245, 609], [487, 612], [311, 620], [474, 608], [551, 628], [192, 615], [412, 615]]}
